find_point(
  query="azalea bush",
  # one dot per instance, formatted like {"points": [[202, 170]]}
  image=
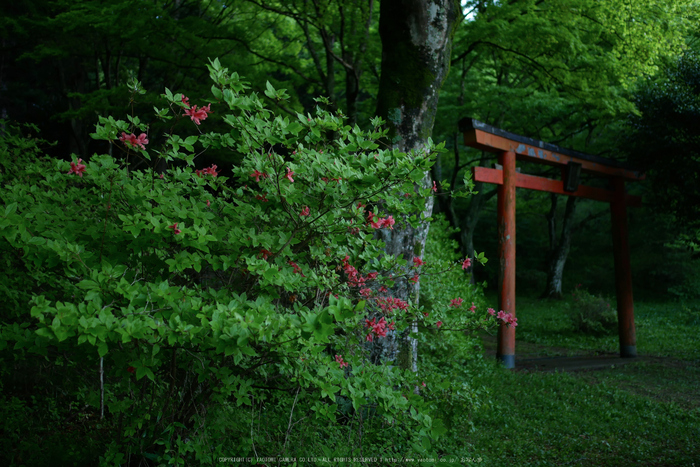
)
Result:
{"points": [[162, 301]]}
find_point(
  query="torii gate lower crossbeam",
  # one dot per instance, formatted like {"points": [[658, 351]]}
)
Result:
{"points": [[511, 147]]}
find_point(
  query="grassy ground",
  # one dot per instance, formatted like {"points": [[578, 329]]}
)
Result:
{"points": [[644, 413]]}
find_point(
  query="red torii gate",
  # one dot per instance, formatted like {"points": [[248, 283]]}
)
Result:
{"points": [[511, 147]]}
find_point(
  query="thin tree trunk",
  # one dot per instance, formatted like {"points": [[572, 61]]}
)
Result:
{"points": [[559, 249], [416, 45]]}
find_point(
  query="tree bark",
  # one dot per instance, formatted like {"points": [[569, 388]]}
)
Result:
{"points": [[558, 249], [416, 45]]}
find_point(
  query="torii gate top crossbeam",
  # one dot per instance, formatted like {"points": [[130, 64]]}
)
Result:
{"points": [[492, 139]]}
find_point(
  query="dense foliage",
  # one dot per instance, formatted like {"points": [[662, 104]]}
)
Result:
{"points": [[162, 301], [665, 137]]}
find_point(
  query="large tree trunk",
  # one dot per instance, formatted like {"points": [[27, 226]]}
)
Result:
{"points": [[416, 45], [559, 249]]}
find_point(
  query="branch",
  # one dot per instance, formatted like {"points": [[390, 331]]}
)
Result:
{"points": [[268, 59]]}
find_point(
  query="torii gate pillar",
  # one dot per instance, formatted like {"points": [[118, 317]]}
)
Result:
{"points": [[623, 272], [506, 256]]}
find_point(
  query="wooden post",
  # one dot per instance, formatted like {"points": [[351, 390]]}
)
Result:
{"points": [[623, 272], [506, 256]]}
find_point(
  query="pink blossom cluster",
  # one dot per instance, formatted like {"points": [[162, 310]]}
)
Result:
{"points": [[355, 279], [456, 302], [257, 174], [208, 171], [389, 304], [507, 318], [305, 212], [289, 175], [134, 141], [466, 263], [380, 221], [297, 269], [77, 168], [339, 359], [366, 293], [377, 328], [197, 115], [175, 229], [417, 262]]}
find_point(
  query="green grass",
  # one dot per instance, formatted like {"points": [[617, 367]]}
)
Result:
{"points": [[643, 413], [573, 419], [663, 328]]}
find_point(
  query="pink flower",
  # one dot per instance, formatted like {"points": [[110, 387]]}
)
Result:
{"points": [[365, 293], [455, 302], [186, 100], [208, 203], [375, 224], [77, 168], [198, 115], [175, 229], [418, 262], [305, 211], [372, 275], [289, 175], [388, 304], [339, 359], [377, 328], [133, 141], [438, 324], [262, 198], [414, 279], [379, 222], [423, 383], [491, 311], [265, 253], [472, 308], [161, 176], [208, 171], [507, 318], [466, 263], [297, 269], [257, 175], [434, 187]]}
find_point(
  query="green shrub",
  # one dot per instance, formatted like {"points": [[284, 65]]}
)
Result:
{"points": [[173, 315], [591, 314]]}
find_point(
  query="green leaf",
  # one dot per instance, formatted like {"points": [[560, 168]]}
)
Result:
{"points": [[11, 208], [102, 349]]}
